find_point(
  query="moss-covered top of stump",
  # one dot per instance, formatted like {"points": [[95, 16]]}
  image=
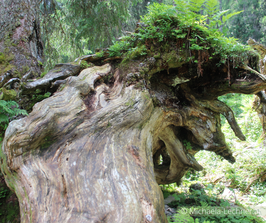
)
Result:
{"points": [[173, 35]]}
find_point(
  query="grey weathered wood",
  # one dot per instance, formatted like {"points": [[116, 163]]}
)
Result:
{"points": [[96, 150]]}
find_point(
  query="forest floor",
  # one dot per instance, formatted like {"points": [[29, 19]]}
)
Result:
{"points": [[9, 207], [223, 186]]}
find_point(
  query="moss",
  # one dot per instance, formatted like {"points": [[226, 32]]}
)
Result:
{"points": [[139, 85], [2, 58], [84, 65], [9, 94], [47, 142], [61, 87], [157, 55], [5, 58], [56, 70], [134, 53], [8, 68], [99, 54], [25, 69], [44, 73], [173, 58]]}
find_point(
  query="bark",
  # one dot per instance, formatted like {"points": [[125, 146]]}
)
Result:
{"points": [[98, 148], [21, 48]]}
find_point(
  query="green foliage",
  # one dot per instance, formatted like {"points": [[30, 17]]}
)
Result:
{"points": [[135, 53], [2, 58], [85, 65], [199, 207], [39, 96], [43, 73], [187, 145], [183, 217], [245, 178], [197, 31], [250, 23], [100, 54], [248, 119], [9, 210], [3, 192], [9, 109], [119, 47]]}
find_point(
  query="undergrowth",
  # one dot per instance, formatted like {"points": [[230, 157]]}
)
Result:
{"points": [[245, 179], [8, 110], [201, 206]]}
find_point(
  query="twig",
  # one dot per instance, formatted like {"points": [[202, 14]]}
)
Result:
{"points": [[261, 76]]}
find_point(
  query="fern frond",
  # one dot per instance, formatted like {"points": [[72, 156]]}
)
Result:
{"points": [[225, 18], [9, 109], [196, 5], [20, 112], [181, 6], [212, 7], [4, 118], [215, 19]]}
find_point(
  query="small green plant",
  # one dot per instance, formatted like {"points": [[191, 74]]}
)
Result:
{"points": [[119, 47], [100, 54], [40, 63], [2, 58], [109, 124], [130, 103], [183, 217], [44, 73], [187, 145], [198, 207], [3, 192], [38, 96], [9, 109], [84, 65]]}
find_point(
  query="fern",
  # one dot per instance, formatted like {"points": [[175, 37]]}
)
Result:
{"points": [[196, 22], [4, 118], [183, 217], [211, 7], [9, 109], [225, 18], [193, 9], [196, 5]]}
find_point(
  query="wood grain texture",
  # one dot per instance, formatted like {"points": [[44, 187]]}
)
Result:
{"points": [[96, 151]]}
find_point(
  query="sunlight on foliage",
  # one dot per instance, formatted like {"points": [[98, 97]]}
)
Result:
{"points": [[245, 178], [183, 22]]}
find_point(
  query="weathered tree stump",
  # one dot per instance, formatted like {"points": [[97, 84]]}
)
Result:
{"points": [[97, 149]]}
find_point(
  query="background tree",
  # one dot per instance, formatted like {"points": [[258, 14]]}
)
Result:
{"points": [[248, 24], [20, 41], [73, 28]]}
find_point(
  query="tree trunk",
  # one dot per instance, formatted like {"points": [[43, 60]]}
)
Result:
{"points": [[98, 148], [21, 55], [21, 48]]}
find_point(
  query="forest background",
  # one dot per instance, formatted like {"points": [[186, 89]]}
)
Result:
{"points": [[74, 28]]}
